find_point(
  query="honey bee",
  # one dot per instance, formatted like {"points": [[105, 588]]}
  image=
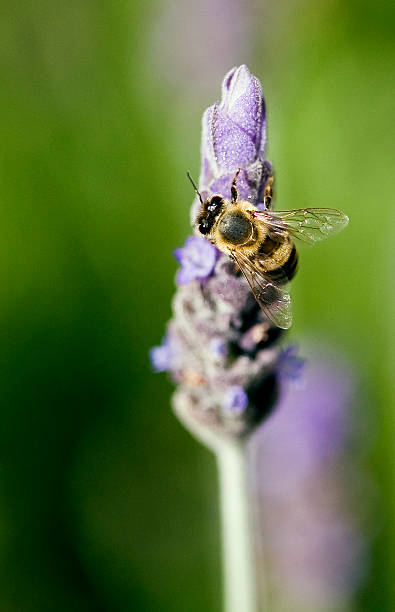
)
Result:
{"points": [[260, 242]]}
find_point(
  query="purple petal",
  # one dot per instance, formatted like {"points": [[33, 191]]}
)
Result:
{"points": [[209, 168], [185, 276], [161, 356], [222, 185], [197, 259], [218, 347], [234, 130], [236, 400], [242, 101], [289, 364], [233, 146]]}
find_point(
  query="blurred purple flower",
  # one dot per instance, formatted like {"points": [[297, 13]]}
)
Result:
{"points": [[161, 356], [218, 347], [236, 400], [177, 54], [289, 364], [197, 259], [317, 554]]}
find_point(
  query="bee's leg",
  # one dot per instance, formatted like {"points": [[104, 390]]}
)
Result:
{"points": [[268, 192], [233, 258], [233, 189]]}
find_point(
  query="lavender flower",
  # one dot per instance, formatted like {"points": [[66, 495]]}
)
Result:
{"points": [[220, 350], [161, 356], [234, 136], [290, 365], [236, 401], [225, 358], [197, 259], [315, 555]]}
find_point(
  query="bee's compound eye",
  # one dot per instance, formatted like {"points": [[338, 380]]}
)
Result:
{"points": [[214, 204], [204, 227]]}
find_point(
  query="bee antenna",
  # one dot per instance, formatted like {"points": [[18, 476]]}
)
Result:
{"points": [[195, 188]]}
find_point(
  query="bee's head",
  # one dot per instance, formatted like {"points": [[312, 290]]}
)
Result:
{"points": [[209, 210], [208, 213]]}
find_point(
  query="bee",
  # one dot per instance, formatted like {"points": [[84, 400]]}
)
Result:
{"points": [[260, 242]]}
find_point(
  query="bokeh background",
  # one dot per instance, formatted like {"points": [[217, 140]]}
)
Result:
{"points": [[106, 503]]}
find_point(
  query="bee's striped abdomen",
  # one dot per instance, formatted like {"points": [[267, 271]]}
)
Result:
{"points": [[289, 268], [278, 259]]}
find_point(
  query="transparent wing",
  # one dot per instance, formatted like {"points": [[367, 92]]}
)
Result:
{"points": [[274, 301], [308, 224]]}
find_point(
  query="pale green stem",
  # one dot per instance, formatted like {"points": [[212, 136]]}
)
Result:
{"points": [[239, 562], [240, 578]]}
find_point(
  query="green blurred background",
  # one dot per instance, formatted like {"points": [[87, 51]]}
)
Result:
{"points": [[106, 503]]}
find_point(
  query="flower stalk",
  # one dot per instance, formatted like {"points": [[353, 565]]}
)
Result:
{"points": [[239, 567]]}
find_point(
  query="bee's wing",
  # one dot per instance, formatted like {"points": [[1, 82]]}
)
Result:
{"points": [[274, 301], [308, 224]]}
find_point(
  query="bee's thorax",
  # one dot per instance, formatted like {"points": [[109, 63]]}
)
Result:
{"points": [[236, 228]]}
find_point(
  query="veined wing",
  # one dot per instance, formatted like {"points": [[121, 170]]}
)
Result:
{"points": [[308, 224], [274, 301]]}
